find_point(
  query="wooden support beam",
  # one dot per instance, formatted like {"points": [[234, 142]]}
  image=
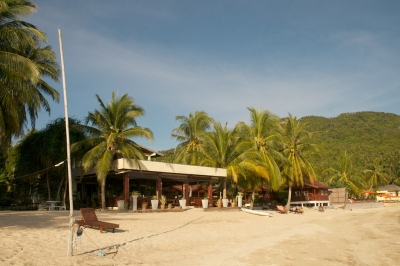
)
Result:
{"points": [[210, 197], [159, 187], [126, 187], [187, 193]]}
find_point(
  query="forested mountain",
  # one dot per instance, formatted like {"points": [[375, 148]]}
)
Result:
{"points": [[365, 136]]}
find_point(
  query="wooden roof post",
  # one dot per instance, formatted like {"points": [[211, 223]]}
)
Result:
{"points": [[210, 197], [187, 192], [126, 187], [159, 186]]}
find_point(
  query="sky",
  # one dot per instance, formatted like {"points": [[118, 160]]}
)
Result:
{"points": [[320, 58]]}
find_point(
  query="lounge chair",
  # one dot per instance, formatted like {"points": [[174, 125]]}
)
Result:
{"points": [[89, 218], [281, 209], [297, 210]]}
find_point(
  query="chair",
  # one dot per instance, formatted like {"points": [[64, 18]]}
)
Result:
{"points": [[298, 210], [281, 209], [89, 218]]}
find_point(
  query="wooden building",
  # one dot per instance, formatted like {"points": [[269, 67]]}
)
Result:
{"points": [[149, 178], [311, 194]]}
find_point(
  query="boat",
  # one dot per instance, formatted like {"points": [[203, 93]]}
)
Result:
{"points": [[257, 212]]}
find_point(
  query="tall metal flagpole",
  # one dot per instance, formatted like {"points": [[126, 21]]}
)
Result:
{"points": [[71, 202]]}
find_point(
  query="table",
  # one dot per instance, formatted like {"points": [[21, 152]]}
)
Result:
{"points": [[53, 204]]}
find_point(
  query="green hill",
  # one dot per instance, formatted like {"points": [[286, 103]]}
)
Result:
{"points": [[365, 136]]}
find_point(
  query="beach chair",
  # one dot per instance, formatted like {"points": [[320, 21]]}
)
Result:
{"points": [[297, 210], [89, 218], [281, 209]]}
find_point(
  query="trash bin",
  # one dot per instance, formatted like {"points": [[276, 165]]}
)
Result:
{"points": [[121, 204]]}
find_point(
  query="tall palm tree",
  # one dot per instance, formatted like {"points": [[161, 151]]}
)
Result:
{"points": [[376, 174], [343, 175], [225, 148], [110, 131], [295, 149], [23, 65], [189, 135], [261, 134]]}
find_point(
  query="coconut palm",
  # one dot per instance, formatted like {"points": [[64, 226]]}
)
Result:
{"points": [[109, 132], [376, 174], [295, 148], [343, 175], [225, 148], [189, 135], [23, 65], [261, 134]]}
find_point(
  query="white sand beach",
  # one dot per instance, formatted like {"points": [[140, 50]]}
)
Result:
{"points": [[195, 237]]}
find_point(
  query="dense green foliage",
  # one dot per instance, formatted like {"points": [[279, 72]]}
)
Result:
{"points": [[30, 167], [24, 62], [364, 136]]}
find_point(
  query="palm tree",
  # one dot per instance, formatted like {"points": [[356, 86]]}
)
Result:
{"points": [[109, 136], [376, 174], [261, 134], [343, 175], [189, 135], [225, 148], [295, 148], [23, 64]]}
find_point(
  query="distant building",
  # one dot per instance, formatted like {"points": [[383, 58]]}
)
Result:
{"points": [[388, 193], [311, 194]]}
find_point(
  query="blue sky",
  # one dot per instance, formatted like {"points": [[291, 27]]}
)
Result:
{"points": [[306, 58]]}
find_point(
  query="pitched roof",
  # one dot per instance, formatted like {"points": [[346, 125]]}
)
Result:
{"points": [[315, 184], [389, 188]]}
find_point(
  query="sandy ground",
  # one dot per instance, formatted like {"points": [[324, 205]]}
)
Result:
{"points": [[195, 237]]}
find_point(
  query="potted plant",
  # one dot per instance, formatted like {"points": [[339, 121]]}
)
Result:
{"points": [[219, 203], [135, 195], [182, 202], [163, 201], [169, 206], [144, 205], [240, 200], [234, 202], [120, 204], [204, 201], [154, 202], [225, 202]]}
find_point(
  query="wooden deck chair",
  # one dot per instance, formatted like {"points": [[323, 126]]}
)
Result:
{"points": [[281, 209], [89, 218]]}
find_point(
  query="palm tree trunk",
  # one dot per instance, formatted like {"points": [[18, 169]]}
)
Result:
{"points": [[65, 192], [287, 207], [48, 187], [103, 194], [253, 196], [59, 189]]}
